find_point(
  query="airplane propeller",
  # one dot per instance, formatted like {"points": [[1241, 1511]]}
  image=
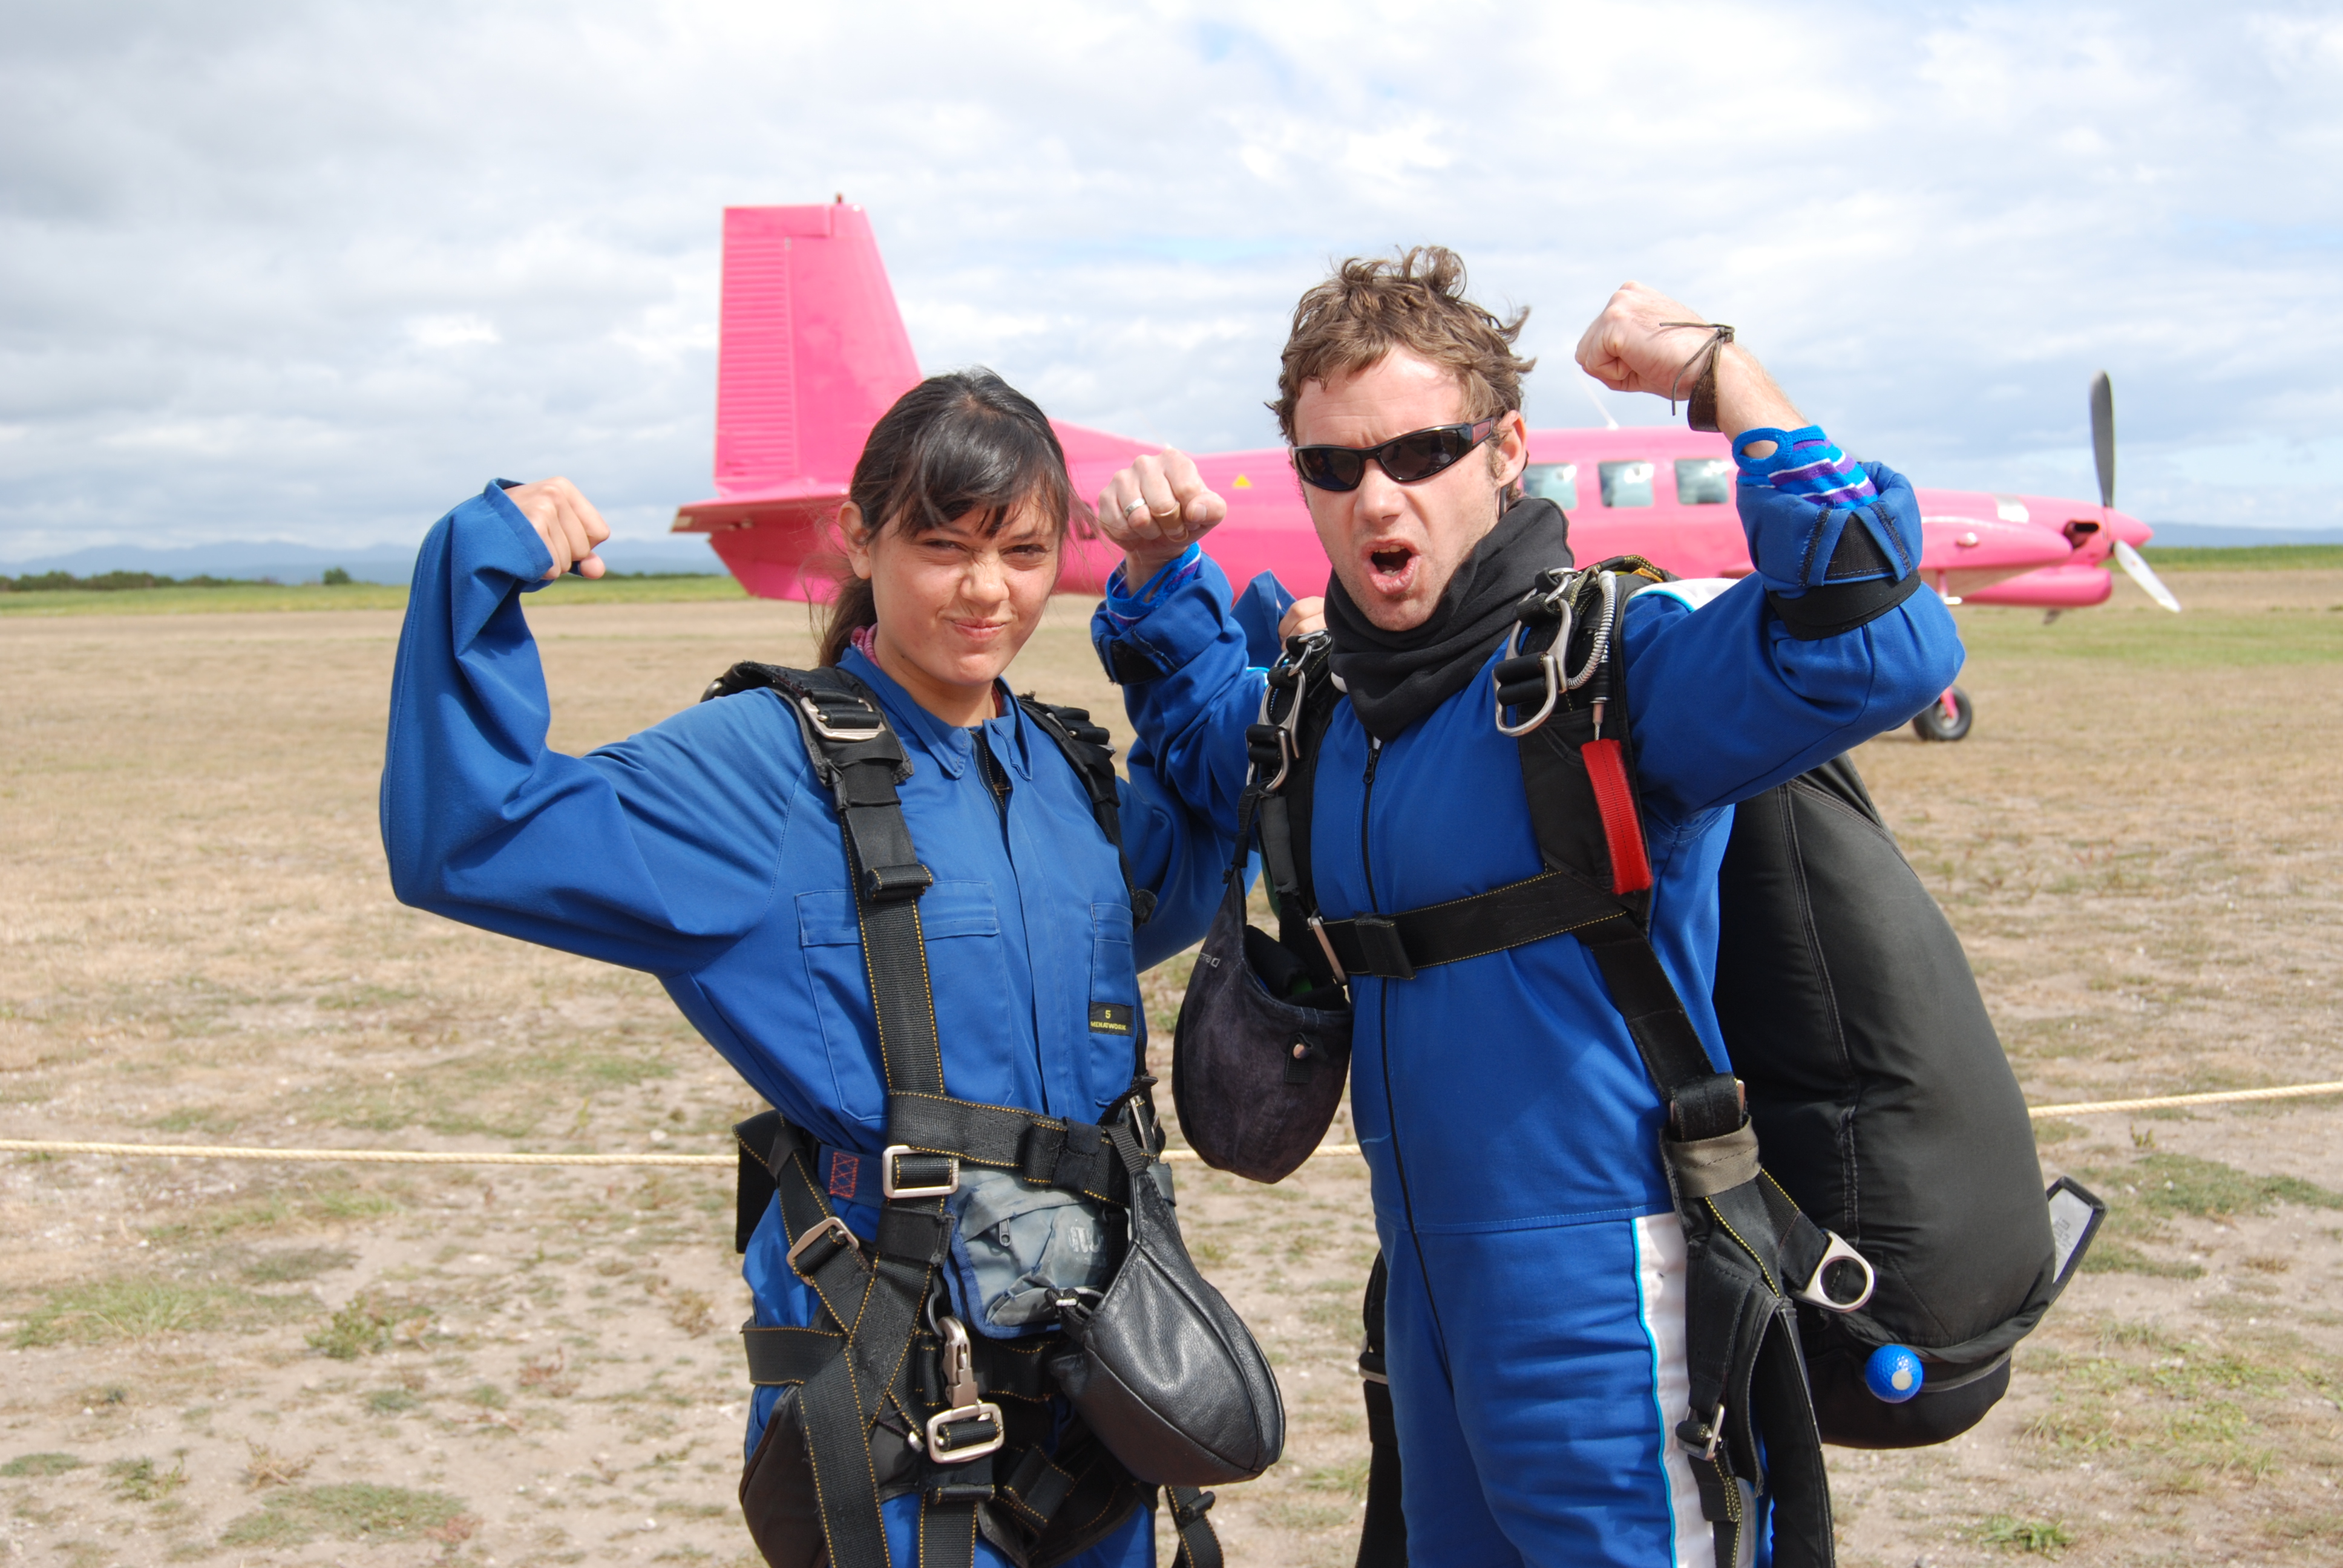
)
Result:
{"points": [[2102, 451]]}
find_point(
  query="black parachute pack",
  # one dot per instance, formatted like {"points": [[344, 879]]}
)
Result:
{"points": [[890, 1395], [1898, 1198]]}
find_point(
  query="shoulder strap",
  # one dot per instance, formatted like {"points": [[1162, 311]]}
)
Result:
{"points": [[1085, 746], [1296, 706], [862, 1371]]}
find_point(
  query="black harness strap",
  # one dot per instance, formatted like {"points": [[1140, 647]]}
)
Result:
{"points": [[1048, 1152], [1394, 947], [1741, 1326], [1085, 746], [879, 1365]]}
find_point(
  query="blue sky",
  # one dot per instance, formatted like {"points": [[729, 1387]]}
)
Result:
{"points": [[312, 272]]}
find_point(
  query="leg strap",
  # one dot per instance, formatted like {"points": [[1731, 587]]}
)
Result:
{"points": [[1750, 1433], [1199, 1545]]}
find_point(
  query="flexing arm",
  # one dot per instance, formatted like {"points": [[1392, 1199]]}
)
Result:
{"points": [[1179, 657], [1833, 640], [655, 853]]}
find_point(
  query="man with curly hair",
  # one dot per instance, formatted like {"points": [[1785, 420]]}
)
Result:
{"points": [[1536, 1311]]}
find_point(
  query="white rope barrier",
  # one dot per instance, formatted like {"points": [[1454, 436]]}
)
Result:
{"points": [[2171, 1101], [725, 1162]]}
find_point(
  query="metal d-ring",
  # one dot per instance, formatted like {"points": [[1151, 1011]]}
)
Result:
{"points": [[1814, 1292]]}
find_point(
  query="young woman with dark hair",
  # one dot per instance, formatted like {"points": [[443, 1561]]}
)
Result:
{"points": [[708, 851]]}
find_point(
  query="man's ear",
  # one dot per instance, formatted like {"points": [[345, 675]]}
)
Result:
{"points": [[854, 540], [1510, 452]]}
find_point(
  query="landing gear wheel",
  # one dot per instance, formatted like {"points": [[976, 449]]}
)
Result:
{"points": [[1932, 723]]}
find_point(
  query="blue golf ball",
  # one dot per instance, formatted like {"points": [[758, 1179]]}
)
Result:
{"points": [[1893, 1374]]}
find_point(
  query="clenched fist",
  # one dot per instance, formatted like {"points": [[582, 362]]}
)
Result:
{"points": [[1155, 508], [567, 523], [1633, 345]]}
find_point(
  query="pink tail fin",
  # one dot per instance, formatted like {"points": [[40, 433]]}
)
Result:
{"points": [[813, 351]]}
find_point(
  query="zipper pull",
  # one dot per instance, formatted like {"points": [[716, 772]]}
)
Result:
{"points": [[1374, 755]]}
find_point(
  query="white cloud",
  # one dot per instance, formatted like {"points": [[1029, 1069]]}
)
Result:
{"points": [[317, 271], [452, 331]]}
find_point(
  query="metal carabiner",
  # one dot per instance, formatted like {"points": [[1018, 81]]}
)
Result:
{"points": [[1289, 728], [1549, 665], [965, 1404]]}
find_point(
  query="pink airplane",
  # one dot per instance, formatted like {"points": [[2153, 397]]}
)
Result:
{"points": [[813, 350]]}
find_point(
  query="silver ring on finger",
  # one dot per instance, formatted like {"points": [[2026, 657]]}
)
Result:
{"points": [[1137, 505]]}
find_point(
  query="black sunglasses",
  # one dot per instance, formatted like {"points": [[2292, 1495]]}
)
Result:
{"points": [[1417, 455]]}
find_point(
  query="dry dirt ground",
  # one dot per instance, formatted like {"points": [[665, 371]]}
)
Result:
{"points": [[269, 1362]]}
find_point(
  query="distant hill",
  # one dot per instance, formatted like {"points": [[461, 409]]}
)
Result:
{"points": [[2215, 535], [290, 563], [252, 559]]}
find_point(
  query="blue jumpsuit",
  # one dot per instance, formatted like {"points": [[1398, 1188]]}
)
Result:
{"points": [[1535, 1336], [704, 851]]}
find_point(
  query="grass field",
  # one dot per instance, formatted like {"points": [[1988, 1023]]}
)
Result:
{"points": [[2140, 846], [247, 598], [2245, 559]]}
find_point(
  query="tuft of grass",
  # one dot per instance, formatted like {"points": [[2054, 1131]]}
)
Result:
{"points": [[693, 1311], [264, 1469], [299, 1264], [284, 1209], [2046, 1536], [116, 1310], [486, 1093], [2110, 1256], [392, 1402], [1350, 1479], [346, 1511], [365, 1324], [2208, 1190], [138, 1480], [30, 1466]]}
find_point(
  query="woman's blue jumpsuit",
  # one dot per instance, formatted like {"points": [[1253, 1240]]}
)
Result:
{"points": [[1535, 1332], [704, 851]]}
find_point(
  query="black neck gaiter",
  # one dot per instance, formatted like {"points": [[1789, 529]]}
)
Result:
{"points": [[1396, 677]]}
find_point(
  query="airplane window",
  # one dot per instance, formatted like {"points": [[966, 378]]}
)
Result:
{"points": [[1557, 482], [1626, 483], [1704, 481]]}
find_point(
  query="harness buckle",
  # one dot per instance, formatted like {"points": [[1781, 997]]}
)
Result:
{"points": [[830, 1229], [1703, 1438], [823, 727], [967, 1406], [1815, 1292], [1318, 929], [890, 1185], [1141, 1108]]}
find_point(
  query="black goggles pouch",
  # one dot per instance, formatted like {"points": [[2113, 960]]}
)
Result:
{"points": [[1258, 1056], [1161, 1369]]}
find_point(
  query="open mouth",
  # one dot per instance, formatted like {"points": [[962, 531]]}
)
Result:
{"points": [[1392, 570]]}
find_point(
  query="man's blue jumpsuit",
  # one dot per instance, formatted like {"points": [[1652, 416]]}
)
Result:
{"points": [[704, 851], [1535, 1318]]}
